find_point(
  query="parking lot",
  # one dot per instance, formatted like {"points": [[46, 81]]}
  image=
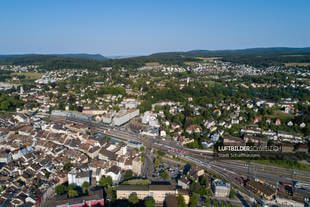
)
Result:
{"points": [[173, 170]]}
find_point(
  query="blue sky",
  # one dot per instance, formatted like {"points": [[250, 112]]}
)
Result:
{"points": [[137, 27]]}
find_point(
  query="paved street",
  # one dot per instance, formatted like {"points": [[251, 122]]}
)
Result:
{"points": [[148, 164]]}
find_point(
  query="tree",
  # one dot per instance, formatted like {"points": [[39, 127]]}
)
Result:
{"points": [[232, 194], [229, 205], [72, 193], [47, 175], [203, 180], [2, 188], [109, 181], [60, 189], [157, 161], [250, 143], [79, 108], [208, 192], [181, 201], [133, 199], [193, 201], [208, 202], [104, 181], [71, 187], [109, 192], [107, 138], [67, 167], [141, 148], [116, 108], [196, 188], [128, 174], [85, 186], [164, 174], [149, 202], [161, 153]]}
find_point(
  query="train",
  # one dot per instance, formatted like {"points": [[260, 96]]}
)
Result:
{"points": [[259, 181], [286, 184], [184, 152], [302, 185]]}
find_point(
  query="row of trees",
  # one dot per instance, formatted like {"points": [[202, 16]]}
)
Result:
{"points": [[75, 191], [134, 201], [72, 190]]}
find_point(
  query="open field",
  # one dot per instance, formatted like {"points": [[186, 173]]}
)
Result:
{"points": [[29, 75], [190, 63], [210, 83], [152, 64], [281, 115], [288, 164], [209, 58], [297, 64], [137, 182], [292, 55]]}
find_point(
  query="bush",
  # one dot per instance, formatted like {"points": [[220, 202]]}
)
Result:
{"points": [[60, 189], [149, 202], [128, 174]]}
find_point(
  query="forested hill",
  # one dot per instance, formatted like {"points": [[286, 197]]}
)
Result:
{"points": [[83, 56], [251, 56], [50, 61], [59, 62], [73, 55], [249, 51], [254, 56]]}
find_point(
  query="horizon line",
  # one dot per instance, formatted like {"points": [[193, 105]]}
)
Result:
{"points": [[146, 54]]}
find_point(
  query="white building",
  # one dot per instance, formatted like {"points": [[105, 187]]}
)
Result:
{"points": [[115, 173], [20, 118], [137, 166], [163, 133], [150, 119], [220, 188], [4, 136], [106, 118], [122, 150], [215, 137], [124, 116], [79, 176], [5, 157], [131, 104], [209, 124], [152, 132]]}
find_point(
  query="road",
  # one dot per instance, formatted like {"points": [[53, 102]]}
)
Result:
{"points": [[148, 164], [239, 201]]}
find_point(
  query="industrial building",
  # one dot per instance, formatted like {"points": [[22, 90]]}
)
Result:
{"points": [[220, 188], [123, 117], [70, 114]]}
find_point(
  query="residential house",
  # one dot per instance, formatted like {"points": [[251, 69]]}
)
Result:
{"points": [[183, 182], [78, 176], [115, 173], [5, 157], [193, 129]]}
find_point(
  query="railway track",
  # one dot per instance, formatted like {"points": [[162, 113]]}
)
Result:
{"points": [[229, 170]]}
